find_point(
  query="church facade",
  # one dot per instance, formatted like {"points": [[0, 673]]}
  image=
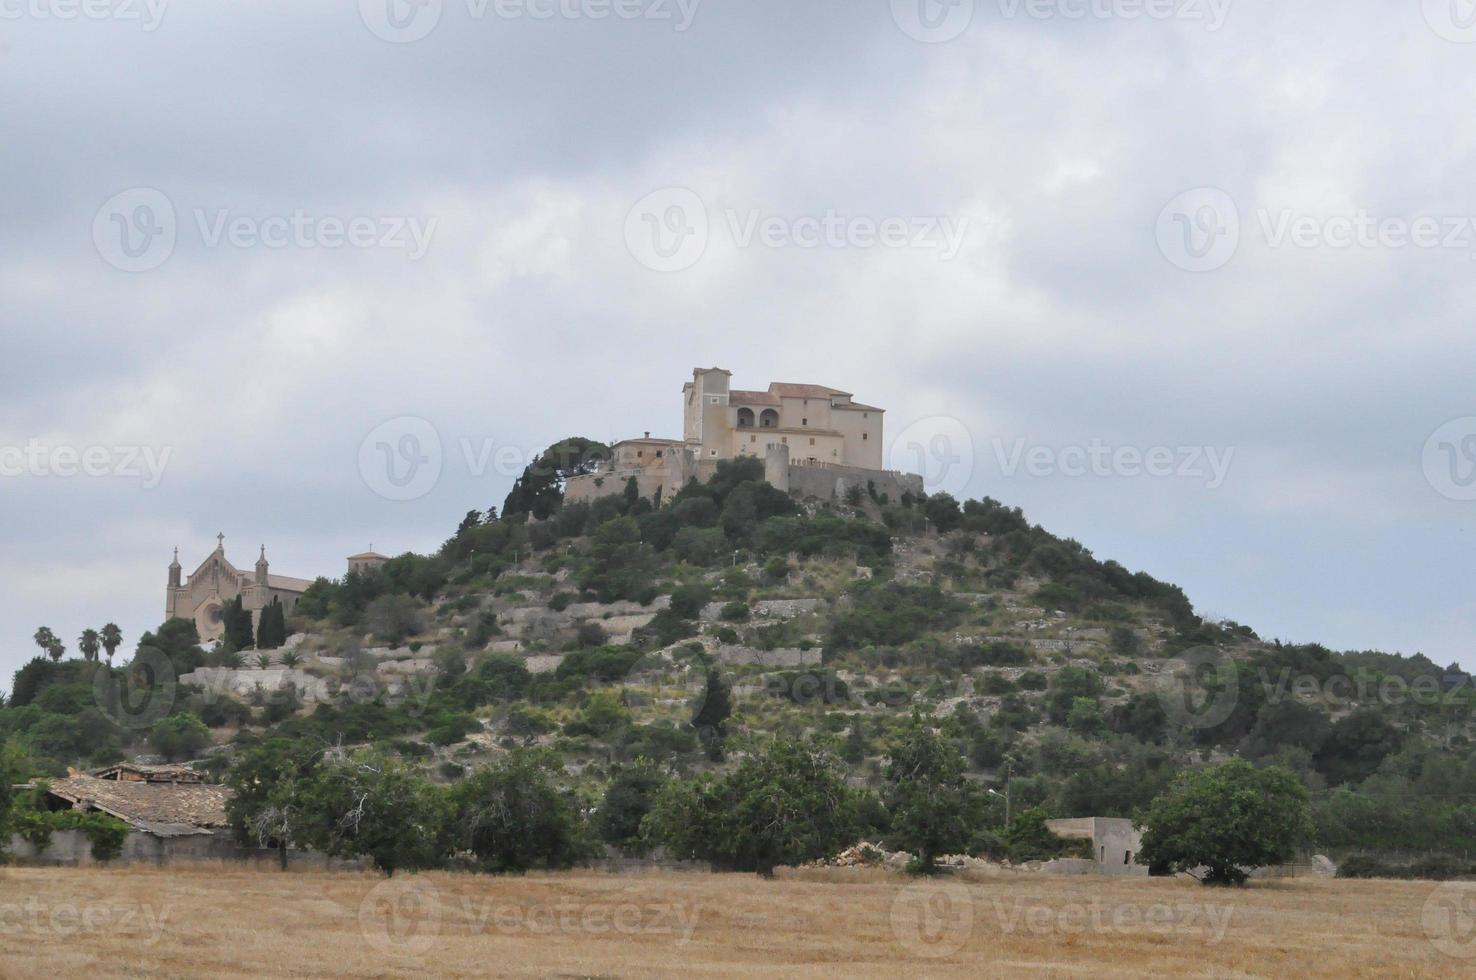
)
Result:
{"points": [[202, 596]]}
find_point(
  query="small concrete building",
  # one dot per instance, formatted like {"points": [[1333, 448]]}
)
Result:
{"points": [[1115, 842]]}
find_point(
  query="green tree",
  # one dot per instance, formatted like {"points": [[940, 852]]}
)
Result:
{"points": [[514, 817], [179, 736], [374, 806], [786, 804], [1355, 746], [89, 643], [629, 796], [711, 711], [1227, 818], [539, 492], [931, 803], [267, 806], [236, 622], [13, 770], [271, 632], [112, 639]]}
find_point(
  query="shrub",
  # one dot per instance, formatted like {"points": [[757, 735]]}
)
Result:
{"points": [[179, 736], [890, 614]]}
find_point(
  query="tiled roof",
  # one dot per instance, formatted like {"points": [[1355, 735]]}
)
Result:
{"points": [[784, 390], [288, 584], [858, 407], [365, 556], [152, 774], [164, 809], [764, 398]]}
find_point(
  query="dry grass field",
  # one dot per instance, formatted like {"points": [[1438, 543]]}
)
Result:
{"points": [[226, 921]]}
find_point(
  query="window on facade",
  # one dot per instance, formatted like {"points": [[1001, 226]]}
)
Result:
{"points": [[640, 453], [753, 438], [864, 435], [658, 454], [804, 421], [784, 440], [812, 440]]}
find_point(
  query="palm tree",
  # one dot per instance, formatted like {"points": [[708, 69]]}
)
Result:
{"points": [[89, 643], [112, 638], [263, 660], [290, 659], [46, 640]]}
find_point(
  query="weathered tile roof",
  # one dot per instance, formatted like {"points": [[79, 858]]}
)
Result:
{"points": [[739, 397], [151, 774], [784, 390], [165, 809]]}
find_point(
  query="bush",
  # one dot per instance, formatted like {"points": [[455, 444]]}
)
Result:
{"points": [[394, 618], [735, 612], [607, 664], [890, 614], [179, 736]]}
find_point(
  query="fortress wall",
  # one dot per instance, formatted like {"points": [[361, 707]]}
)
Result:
{"points": [[831, 482]]}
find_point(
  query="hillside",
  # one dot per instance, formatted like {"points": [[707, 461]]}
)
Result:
{"points": [[616, 632]]}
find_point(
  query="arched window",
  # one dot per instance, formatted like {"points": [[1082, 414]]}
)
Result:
{"points": [[769, 419], [745, 418]]}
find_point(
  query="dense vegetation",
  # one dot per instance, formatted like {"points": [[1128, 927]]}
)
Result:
{"points": [[964, 651]]}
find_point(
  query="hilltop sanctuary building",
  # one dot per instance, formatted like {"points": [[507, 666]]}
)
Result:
{"points": [[813, 440]]}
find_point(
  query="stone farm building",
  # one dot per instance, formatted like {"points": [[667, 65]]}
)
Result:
{"points": [[813, 440]]}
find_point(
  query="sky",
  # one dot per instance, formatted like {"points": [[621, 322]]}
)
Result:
{"points": [[1189, 281]]}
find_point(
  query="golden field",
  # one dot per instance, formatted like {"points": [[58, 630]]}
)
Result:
{"points": [[232, 922]]}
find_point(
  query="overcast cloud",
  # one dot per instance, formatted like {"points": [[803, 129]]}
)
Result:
{"points": [[1049, 237]]}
